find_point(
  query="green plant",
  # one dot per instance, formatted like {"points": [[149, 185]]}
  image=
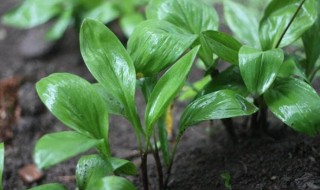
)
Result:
{"points": [[32, 13], [84, 107], [226, 177], [157, 60], [259, 66], [1, 163], [273, 78]]}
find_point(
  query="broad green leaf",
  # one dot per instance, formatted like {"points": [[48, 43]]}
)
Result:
{"points": [[259, 68], [57, 147], [151, 9], [285, 21], [121, 166], [1, 163], [205, 53], [223, 45], [61, 26], [110, 64], [160, 45], [295, 103], [193, 16], [112, 104], [129, 22], [242, 22], [167, 88], [76, 103], [311, 43], [104, 12], [32, 13], [217, 105], [291, 68], [90, 169], [112, 183], [228, 79], [50, 186]]}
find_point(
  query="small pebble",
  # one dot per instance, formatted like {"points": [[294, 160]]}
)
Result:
{"points": [[312, 159], [273, 178], [3, 34], [30, 173]]}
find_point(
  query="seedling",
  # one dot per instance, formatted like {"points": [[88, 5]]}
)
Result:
{"points": [[84, 107], [261, 70], [159, 56], [226, 177]]}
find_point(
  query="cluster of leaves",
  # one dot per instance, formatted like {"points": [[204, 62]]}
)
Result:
{"points": [[158, 58], [156, 45], [260, 69], [275, 79], [32, 13]]}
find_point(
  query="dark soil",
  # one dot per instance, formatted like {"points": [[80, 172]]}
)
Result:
{"points": [[285, 161]]}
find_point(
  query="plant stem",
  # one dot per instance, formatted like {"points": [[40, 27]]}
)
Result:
{"points": [[135, 121], [171, 161], [255, 127], [228, 123], [144, 171], [158, 164], [290, 23], [313, 74], [263, 115]]}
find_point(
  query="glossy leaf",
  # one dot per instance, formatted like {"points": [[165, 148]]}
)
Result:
{"points": [[75, 103], [1, 162], [112, 104], [205, 53], [110, 64], [286, 21], [167, 88], [129, 22], [295, 103], [228, 79], [50, 186], [160, 45], [57, 147], [121, 166], [311, 43], [223, 45], [242, 22], [193, 16], [90, 169], [259, 68], [152, 7], [112, 183], [217, 105], [32, 13]]}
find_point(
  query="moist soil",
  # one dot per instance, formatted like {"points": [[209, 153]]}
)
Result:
{"points": [[282, 159]]}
